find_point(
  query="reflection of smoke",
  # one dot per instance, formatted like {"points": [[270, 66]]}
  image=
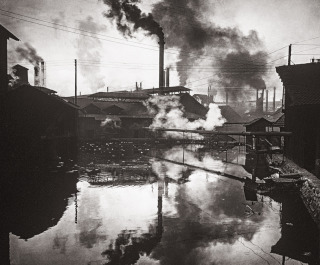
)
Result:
{"points": [[169, 113], [89, 53], [29, 53], [208, 213]]}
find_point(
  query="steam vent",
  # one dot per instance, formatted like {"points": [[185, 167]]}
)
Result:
{"points": [[171, 133]]}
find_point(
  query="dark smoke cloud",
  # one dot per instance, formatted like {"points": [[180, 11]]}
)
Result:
{"points": [[28, 53], [246, 74], [186, 28], [126, 13]]}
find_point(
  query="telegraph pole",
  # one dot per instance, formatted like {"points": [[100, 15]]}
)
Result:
{"points": [[289, 55], [75, 82]]}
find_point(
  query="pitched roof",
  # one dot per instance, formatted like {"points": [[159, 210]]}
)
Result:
{"points": [[230, 114], [279, 122], [38, 89], [45, 90], [257, 120], [7, 33], [191, 105], [17, 66], [302, 83]]}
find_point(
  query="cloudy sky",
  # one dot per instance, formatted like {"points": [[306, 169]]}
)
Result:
{"points": [[228, 44]]}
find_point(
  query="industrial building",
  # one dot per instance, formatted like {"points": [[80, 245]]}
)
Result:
{"points": [[302, 107]]}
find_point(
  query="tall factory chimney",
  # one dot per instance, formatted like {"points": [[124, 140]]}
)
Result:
{"points": [[267, 100], [168, 77], [227, 98], [37, 74], [274, 99], [43, 74], [161, 63]]}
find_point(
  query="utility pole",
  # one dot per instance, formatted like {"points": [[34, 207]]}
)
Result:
{"points": [[75, 82], [289, 55], [274, 99]]}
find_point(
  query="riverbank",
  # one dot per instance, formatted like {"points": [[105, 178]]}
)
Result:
{"points": [[310, 189]]}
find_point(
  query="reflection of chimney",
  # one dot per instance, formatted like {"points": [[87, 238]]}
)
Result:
{"points": [[43, 75], [161, 64], [37, 74], [168, 77], [160, 192]]}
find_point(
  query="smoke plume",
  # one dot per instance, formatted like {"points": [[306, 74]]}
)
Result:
{"points": [[236, 59], [129, 18], [89, 54], [169, 113], [28, 53]]}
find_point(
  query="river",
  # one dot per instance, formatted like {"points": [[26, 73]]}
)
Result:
{"points": [[129, 206]]}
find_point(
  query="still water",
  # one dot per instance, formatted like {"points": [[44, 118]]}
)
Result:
{"points": [[131, 207]]}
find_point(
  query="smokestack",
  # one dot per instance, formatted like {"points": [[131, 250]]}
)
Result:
{"points": [[43, 74], [227, 98], [274, 99], [267, 101], [37, 74], [140, 85], [161, 63], [168, 77], [164, 77]]}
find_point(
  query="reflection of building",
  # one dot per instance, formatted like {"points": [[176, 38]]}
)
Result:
{"points": [[299, 234], [31, 206], [257, 165]]}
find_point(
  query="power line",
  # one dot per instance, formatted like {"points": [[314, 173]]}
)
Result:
{"points": [[90, 32]]}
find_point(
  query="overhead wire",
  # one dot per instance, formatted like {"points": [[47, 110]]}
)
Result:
{"points": [[94, 33]]}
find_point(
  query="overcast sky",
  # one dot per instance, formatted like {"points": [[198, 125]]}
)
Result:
{"points": [[106, 58]]}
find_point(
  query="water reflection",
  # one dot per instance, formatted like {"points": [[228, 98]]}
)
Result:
{"points": [[135, 209]]}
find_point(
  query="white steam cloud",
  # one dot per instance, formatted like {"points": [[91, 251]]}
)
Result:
{"points": [[105, 122], [169, 114]]}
